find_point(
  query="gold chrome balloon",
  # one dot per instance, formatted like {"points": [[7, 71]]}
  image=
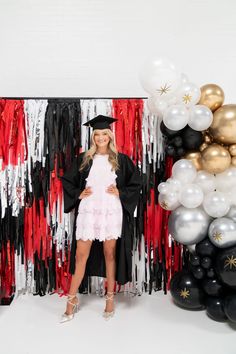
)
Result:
{"points": [[196, 158], [232, 150], [207, 138], [215, 159], [203, 146], [223, 127], [212, 96], [233, 161]]}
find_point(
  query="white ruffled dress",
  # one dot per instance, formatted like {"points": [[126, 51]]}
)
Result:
{"points": [[99, 215]]}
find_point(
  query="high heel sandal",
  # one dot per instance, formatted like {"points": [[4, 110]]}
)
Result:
{"points": [[65, 317], [107, 314]]}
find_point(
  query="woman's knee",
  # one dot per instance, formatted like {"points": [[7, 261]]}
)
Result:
{"points": [[81, 257], [82, 252], [109, 254]]}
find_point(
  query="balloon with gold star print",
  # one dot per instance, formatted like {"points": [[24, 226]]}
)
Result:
{"points": [[186, 292], [226, 266]]}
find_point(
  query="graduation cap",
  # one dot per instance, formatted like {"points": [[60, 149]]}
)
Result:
{"points": [[100, 122]]}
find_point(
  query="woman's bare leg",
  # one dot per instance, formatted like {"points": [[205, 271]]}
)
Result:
{"points": [[82, 254], [109, 248]]}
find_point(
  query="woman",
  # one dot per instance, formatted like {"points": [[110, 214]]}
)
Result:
{"points": [[103, 186]]}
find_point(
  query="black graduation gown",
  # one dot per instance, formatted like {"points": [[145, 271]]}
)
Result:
{"points": [[129, 183]]}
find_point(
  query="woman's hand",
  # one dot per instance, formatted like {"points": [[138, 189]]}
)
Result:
{"points": [[112, 189], [86, 193]]}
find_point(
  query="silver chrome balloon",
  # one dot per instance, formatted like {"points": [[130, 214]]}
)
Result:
{"points": [[189, 226], [222, 232]]}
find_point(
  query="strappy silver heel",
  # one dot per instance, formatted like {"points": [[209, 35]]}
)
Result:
{"points": [[107, 315], [65, 317]]}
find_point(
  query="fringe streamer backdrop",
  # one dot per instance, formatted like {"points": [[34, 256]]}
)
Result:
{"points": [[39, 138]]}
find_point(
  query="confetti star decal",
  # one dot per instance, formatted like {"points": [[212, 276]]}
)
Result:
{"points": [[217, 236], [163, 89], [184, 293], [230, 262], [164, 205], [187, 98]]}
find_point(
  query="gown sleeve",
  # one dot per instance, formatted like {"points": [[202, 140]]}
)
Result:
{"points": [[71, 181], [130, 192]]}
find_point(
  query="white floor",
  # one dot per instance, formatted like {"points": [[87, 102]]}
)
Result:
{"points": [[148, 323]]}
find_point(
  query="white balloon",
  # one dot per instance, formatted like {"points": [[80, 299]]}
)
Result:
{"points": [[156, 105], [188, 94], [206, 181], [159, 76], [191, 196], [231, 197], [226, 181], [192, 248], [184, 79], [176, 117], [163, 188], [216, 204], [184, 171], [200, 117], [232, 213], [172, 100], [175, 184], [168, 201]]}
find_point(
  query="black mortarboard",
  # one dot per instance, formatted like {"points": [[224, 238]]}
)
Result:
{"points": [[100, 122]]}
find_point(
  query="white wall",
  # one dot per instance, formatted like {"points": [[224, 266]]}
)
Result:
{"points": [[94, 48]]}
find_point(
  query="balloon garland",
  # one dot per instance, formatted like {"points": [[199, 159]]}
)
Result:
{"points": [[200, 135]]}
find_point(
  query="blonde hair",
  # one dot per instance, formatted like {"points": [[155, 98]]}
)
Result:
{"points": [[112, 151]]}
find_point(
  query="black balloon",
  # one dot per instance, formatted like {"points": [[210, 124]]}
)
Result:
{"points": [[230, 307], [212, 287], [226, 266], [194, 259], [168, 132], [192, 139], [211, 273], [205, 248], [215, 309], [170, 150], [180, 151], [177, 141], [198, 272], [206, 262], [186, 292]]}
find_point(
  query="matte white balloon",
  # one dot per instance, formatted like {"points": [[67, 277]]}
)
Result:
{"points": [[200, 117], [184, 171], [176, 117], [188, 226], [191, 196], [172, 100], [188, 94], [184, 79], [156, 106], [206, 181], [222, 232], [216, 204], [159, 76]]}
